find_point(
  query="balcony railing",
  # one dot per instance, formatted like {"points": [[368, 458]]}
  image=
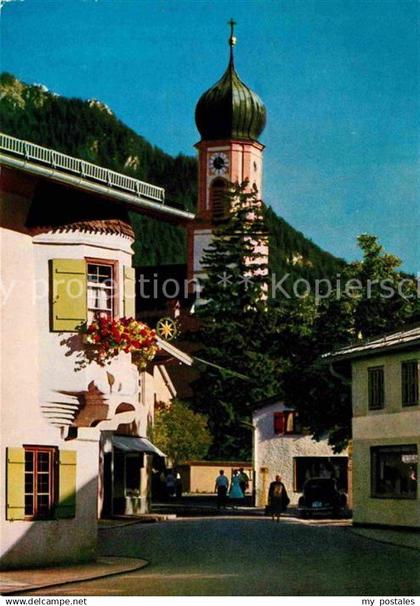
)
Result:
{"points": [[85, 170]]}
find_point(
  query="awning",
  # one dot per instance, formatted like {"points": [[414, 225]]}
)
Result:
{"points": [[175, 352], [129, 444]]}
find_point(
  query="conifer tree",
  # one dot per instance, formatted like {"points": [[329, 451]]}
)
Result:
{"points": [[236, 262], [234, 317], [373, 298]]}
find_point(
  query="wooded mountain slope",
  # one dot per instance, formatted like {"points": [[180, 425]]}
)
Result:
{"points": [[90, 130]]}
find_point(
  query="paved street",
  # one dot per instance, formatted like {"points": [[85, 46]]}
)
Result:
{"points": [[249, 556]]}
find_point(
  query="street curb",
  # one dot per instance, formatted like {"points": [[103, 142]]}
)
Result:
{"points": [[214, 512], [123, 525], [140, 563], [359, 534], [139, 520]]}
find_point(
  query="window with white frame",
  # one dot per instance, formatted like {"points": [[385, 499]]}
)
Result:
{"points": [[40, 483], [410, 382], [40, 480], [100, 290], [394, 471]]}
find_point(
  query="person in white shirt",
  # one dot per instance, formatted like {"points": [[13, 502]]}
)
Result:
{"points": [[221, 487]]}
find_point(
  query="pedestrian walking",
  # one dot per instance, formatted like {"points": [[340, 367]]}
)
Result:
{"points": [[243, 480], [221, 487], [235, 494], [277, 498]]}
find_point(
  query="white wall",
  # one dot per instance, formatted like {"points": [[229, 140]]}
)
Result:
{"points": [[202, 240], [276, 453], [34, 370], [57, 368], [23, 422]]}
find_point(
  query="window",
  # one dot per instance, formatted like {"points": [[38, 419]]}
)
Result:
{"points": [[376, 387], [410, 383], [286, 422], [40, 486], [40, 483], [100, 290], [218, 202], [81, 289], [306, 468], [394, 471]]}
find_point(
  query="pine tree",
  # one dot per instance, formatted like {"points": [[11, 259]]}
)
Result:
{"points": [[235, 322], [236, 262]]}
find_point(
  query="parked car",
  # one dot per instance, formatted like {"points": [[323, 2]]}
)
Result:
{"points": [[321, 498]]}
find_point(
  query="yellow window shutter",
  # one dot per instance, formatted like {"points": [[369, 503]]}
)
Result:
{"points": [[66, 507], [15, 484], [129, 292], [68, 294]]}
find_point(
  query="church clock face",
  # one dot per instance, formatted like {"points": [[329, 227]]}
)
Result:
{"points": [[218, 163]]}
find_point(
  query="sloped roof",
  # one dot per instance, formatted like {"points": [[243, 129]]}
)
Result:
{"points": [[402, 339]]}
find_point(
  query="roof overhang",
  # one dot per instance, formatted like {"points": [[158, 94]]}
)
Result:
{"points": [[50, 164], [174, 352], [133, 202], [403, 341], [135, 444]]}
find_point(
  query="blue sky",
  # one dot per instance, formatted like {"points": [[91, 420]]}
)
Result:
{"points": [[340, 79]]}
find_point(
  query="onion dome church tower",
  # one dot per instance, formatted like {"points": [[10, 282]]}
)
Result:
{"points": [[230, 117]]}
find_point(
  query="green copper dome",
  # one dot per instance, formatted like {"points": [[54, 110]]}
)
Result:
{"points": [[230, 110]]}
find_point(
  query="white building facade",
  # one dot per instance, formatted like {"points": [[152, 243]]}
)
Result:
{"points": [[66, 248], [280, 448]]}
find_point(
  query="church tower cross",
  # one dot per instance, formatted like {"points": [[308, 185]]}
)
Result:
{"points": [[230, 118]]}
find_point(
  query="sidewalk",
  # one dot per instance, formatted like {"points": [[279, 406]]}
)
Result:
{"points": [[182, 510], [199, 505], [141, 518], [15, 582], [191, 505], [399, 538]]}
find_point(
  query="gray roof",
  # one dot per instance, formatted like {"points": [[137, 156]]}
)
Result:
{"points": [[403, 339]]}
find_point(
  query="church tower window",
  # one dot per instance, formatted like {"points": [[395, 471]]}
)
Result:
{"points": [[218, 201]]}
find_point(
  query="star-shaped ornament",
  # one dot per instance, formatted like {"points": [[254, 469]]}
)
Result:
{"points": [[166, 329]]}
